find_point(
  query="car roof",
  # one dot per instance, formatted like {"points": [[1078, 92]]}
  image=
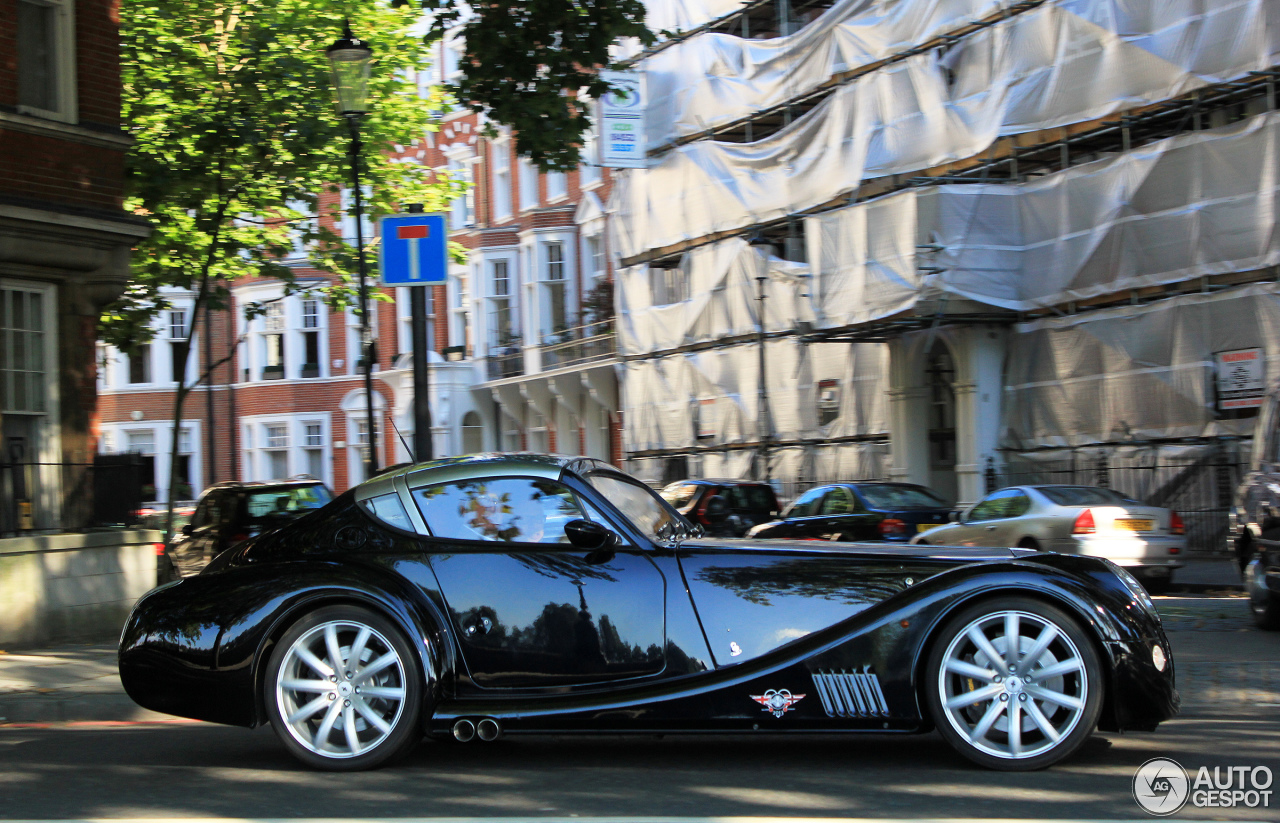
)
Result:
{"points": [[716, 481], [471, 466], [256, 485]]}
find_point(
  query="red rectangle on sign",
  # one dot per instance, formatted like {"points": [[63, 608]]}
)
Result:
{"points": [[412, 232], [1242, 403]]}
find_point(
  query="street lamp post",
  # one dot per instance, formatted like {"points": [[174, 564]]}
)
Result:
{"points": [[349, 60], [766, 249]]}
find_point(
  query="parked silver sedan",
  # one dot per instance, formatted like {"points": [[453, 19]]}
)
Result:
{"points": [[1150, 541]]}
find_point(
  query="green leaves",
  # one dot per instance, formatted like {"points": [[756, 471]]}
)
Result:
{"points": [[530, 64], [231, 109]]}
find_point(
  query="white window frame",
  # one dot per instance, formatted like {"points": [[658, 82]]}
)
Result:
{"points": [[500, 179], [529, 198], [557, 186], [255, 444], [64, 63]]}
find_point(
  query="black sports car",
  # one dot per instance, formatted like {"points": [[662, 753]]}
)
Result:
{"points": [[859, 511], [512, 594]]}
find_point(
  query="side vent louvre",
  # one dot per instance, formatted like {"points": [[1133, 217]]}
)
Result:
{"points": [[850, 694]]}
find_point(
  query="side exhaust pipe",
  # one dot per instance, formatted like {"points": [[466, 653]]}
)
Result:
{"points": [[488, 730], [464, 731]]}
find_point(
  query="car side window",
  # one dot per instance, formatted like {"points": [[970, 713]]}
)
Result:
{"points": [[807, 504], [837, 501], [499, 509], [1000, 504], [389, 509], [202, 517]]}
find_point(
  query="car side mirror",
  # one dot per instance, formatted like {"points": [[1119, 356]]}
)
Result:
{"points": [[187, 530], [589, 535], [716, 510]]}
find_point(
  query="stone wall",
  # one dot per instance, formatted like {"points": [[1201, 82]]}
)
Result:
{"points": [[72, 587]]}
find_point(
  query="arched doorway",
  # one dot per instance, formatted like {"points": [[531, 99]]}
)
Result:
{"points": [[472, 433], [940, 378]]}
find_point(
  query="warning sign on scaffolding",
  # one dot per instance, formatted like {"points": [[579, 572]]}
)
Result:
{"points": [[620, 118], [1241, 382]]}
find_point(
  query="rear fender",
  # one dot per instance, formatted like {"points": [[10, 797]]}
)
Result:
{"points": [[248, 638]]}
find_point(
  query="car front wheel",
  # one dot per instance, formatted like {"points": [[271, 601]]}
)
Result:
{"points": [[343, 690], [1014, 684], [1263, 602]]}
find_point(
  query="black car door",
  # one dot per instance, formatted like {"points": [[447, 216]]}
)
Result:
{"points": [[531, 610], [802, 519], [843, 517]]}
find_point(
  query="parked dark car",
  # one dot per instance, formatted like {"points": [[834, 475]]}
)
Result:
{"points": [[748, 504], [1254, 518], [859, 511], [514, 594], [232, 511]]}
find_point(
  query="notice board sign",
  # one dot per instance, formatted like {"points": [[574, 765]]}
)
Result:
{"points": [[620, 120], [1241, 378]]}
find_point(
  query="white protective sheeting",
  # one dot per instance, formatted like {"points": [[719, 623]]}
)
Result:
{"points": [[1049, 67], [1060, 50], [1200, 204], [722, 281], [711, 398], [685, 15], [1134, 373]]}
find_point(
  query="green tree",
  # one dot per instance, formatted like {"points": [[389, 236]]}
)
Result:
{"points": [[229, 104], [529, 63]]}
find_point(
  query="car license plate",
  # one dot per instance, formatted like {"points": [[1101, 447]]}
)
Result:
{"points": [[924, 527], [1134, 524]]}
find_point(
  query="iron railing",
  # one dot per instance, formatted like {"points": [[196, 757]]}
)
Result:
{"points": [[106, 492], [580, 344], [506, 361]]}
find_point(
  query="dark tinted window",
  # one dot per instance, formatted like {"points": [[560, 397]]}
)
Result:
{"points": [[1001, 504], [680, 494], [502, 509], [901, 497], [291, 501], [1084, 496], [840, 501], [807, 504], [750, 498]]}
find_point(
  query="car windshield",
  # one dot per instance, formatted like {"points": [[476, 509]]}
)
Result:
{"points": [[290, 501], [1084, 496], [641, 505], [888, 496], [680, 494]]}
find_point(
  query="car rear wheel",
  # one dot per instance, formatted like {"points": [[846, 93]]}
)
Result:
{"points": [[1029, 543], [343, 690], [1014, 684]]}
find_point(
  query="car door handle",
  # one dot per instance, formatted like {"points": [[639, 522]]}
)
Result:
{"points": [[991, 528]]}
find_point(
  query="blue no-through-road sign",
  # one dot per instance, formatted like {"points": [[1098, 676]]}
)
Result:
{"points": [[414, 249]]}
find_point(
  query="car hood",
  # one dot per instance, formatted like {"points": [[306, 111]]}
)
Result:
{"points": [[833, 547]]}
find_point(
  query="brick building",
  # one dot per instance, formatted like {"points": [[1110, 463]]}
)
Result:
{"points": [[64, 248], [522, 338]]}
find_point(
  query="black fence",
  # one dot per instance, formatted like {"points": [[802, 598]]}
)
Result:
{"points": [[1199, 486], [106, 492]]}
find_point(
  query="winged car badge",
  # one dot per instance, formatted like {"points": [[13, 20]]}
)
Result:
{"points": [[777, 701]]}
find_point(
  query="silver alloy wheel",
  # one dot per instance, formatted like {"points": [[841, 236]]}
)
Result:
{"points": [[1013, 684], [341, 689]]}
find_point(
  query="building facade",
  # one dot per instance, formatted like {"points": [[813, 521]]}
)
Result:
{"points": [[64, 249], [522, 343], [954, 244]]}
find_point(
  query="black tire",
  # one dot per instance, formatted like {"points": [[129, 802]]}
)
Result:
{"points": [[975, 731], [922, 542], [347, 707], [1029, 543], [1263, 603], [1157, 586]]}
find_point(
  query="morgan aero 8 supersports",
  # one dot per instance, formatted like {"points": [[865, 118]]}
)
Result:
{"points": [[492, 595]]}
